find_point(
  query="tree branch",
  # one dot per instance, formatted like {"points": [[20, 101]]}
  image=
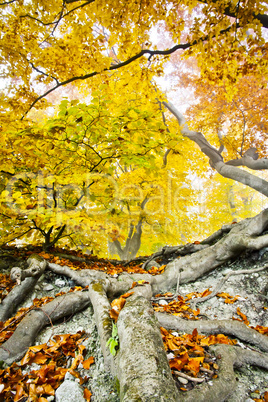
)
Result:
{"points": [[7, 2], [250, 160], [58, 236], [143, 52], [215, 158], [230, 12]]}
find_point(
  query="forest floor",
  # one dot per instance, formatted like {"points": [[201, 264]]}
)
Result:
{"points": [[78, 353]]}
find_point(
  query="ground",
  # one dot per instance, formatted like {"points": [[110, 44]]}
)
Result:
{"points": [[242, 297]]}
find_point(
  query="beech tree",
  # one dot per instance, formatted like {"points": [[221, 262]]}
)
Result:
{"points": [[106, 50]]}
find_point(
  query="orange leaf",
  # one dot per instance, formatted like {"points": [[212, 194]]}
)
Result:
{"points": [[244, 317], [79, 358], [27, 357], [262, 330], [194, 364], [37, 348], [164, 331], [32, 393], [114, 314], [48, 389], [118, 304], [198, 350], [206, 366], [40, 358], [19, 392], [179, 362], [87, 394], [87, 363], [127, 295], [194, 335], [81, 348], [206, 293], [172, 343]]}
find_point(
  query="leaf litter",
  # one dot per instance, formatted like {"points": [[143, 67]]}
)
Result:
{"points": [[188, 355]]}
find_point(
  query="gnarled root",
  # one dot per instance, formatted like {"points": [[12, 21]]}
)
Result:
{"points": [[26, 280], [143, 369], [23, 337]]}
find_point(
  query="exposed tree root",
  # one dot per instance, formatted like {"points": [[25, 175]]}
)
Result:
{"points": [[220, 388], [228, 327], [102, 307], [9, 305], [82, 278], [244, 235], [174, 252], [36, 264], [225, 385], [143, 369], [23, 337]]}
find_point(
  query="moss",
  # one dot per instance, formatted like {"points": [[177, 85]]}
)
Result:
{"points": [[117, 385], [36, 257], [107, 323], [97, 287]]}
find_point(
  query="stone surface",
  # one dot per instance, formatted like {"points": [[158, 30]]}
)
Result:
{"points": [[69, 391], [60, 283]]}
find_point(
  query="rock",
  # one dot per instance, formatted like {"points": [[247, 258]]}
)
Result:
{"points": [[162, 302], [69, 391], [182, 380], [60, 283], [170, 356], [48, 287]]}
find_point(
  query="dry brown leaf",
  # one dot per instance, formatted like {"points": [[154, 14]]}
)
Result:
{"points": [[87, 363], [87, 394]]}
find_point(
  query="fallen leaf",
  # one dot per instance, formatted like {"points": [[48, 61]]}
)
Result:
{"points": [[87, 363], [87, 394]]}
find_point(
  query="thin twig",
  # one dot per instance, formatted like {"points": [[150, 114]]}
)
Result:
{"points": [[224, 279], [187, 377]]}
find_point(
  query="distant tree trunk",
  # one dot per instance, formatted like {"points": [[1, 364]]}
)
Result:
{"points": [[231, 201], [47, 235], [132, 245]]}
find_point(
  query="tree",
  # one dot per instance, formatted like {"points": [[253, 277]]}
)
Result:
{"points": [[153, 203], [66, 158], [108, 53]]}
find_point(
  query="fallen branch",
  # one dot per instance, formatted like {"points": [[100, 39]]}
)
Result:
{"points": [[188, 377]]}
